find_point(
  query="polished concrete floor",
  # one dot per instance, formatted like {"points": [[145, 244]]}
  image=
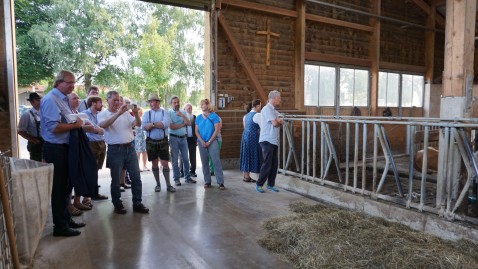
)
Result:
{"points": [[192, 228]]}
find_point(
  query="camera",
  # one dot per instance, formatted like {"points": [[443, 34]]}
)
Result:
{"points": [[129, 107]]}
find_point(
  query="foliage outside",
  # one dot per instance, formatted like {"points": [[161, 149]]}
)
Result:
{"points": [[134, 47]]}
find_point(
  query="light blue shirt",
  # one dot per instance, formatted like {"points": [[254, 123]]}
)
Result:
{"points": [[28, 122], [53, 109], [268, 132], [175, 119], [94, 121], [159, 115], [206, 125]]}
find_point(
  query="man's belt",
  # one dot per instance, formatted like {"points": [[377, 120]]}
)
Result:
{"points": [[178, 136], [125, 145], [155, 140]]}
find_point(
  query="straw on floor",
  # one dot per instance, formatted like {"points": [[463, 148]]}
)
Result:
{"points": [[317, 236]]}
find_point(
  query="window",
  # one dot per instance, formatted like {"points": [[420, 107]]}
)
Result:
{"points": [[412, 90], [388, 89], [353, 87], [395, 87], [319, 85]]}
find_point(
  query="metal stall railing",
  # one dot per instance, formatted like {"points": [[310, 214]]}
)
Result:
{"points": [[8, 248], [312, 155]]}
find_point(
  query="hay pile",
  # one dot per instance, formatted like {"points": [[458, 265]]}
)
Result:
{"points": [[317, 236]]}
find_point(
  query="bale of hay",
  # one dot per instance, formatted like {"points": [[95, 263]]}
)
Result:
{"points": [[316, 236]]}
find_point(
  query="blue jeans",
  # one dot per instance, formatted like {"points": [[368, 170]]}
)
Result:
{"points": [[117, 158], [177, 146], [270, 165], [213, 152]]}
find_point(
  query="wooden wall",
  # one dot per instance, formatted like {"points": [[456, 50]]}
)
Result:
{"points": [[5, 130], [332, 35]]}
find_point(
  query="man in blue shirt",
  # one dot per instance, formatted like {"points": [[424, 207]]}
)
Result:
{"points": [[178, 121], [55, 131], [29, 128], [269, 140]]}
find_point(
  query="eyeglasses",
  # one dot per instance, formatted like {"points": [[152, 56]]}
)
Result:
{"points": [[69, 82]]}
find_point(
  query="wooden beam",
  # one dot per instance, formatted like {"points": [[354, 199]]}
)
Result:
{"points": [[236, 47], [321, 57], [299, 54], [429, 10], [259, 7], [430, 46], [403, 67], [339, 22], [374, 56]]}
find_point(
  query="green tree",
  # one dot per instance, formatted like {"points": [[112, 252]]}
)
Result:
{"points": [[83, 36], [32, 65]]}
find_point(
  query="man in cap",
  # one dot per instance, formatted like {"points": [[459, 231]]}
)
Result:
{"points": [[29, 128], [156, 123], [117, 124]]}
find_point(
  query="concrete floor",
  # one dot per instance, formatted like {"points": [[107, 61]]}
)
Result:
{"points": [[192, 228]]}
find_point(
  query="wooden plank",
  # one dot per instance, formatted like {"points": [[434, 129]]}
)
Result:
{"points": [[336, 22], [316, 56], [300, 54], [423, 6], [259, 7], [242, 59], [403, 67]]}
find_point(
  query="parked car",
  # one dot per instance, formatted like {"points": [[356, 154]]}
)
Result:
{"points": [[22, 109]]}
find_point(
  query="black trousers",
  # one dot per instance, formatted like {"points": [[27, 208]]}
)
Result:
{"points": [[269, 165], [192, 143], [57, 154]]}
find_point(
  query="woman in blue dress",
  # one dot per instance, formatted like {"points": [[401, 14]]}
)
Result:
{"points": [[251, 155]]}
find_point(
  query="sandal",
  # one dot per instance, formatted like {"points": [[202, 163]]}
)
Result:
{"points": [[87, 202], [246, 179], [82, 206], [74, 211]]}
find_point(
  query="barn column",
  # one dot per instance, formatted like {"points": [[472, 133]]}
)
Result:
{"points": [[457, 77], [8, 120]]}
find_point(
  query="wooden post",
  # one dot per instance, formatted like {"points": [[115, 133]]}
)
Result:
{"points": [[268, 35], [299, 54], [430, 45], [374, 56], [8, 220]]}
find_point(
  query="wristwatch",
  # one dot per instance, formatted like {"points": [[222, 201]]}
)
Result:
{"points": [[153, 123]]}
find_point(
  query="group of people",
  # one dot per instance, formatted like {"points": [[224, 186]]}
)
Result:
{"points": [[51, 123], [165, 135]]}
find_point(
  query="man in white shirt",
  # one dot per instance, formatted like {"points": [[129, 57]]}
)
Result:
{"points": [[269, 141], [117, 124]]}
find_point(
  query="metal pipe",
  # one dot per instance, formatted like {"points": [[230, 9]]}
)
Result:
{"points": [[308, 149], [302, 153], [356, 155], [411, 155], [424, 169], [364, 152], [375, 154], [347, 145], [314, 147]]}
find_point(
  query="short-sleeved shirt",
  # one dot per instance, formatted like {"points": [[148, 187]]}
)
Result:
{"points": [[28, 122], [94, 121], [268, 132], [159, 115], [54, 108], [83, 106], [206, 125], [175, 119], [121, 131]]}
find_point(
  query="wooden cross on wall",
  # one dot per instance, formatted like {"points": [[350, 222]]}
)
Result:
{"points": [[268, 35]]}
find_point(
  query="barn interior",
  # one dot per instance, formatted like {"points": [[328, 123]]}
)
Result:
{"points": [[365, 85]]}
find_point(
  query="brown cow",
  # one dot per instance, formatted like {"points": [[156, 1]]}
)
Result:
{"points": [[432, 159]]}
